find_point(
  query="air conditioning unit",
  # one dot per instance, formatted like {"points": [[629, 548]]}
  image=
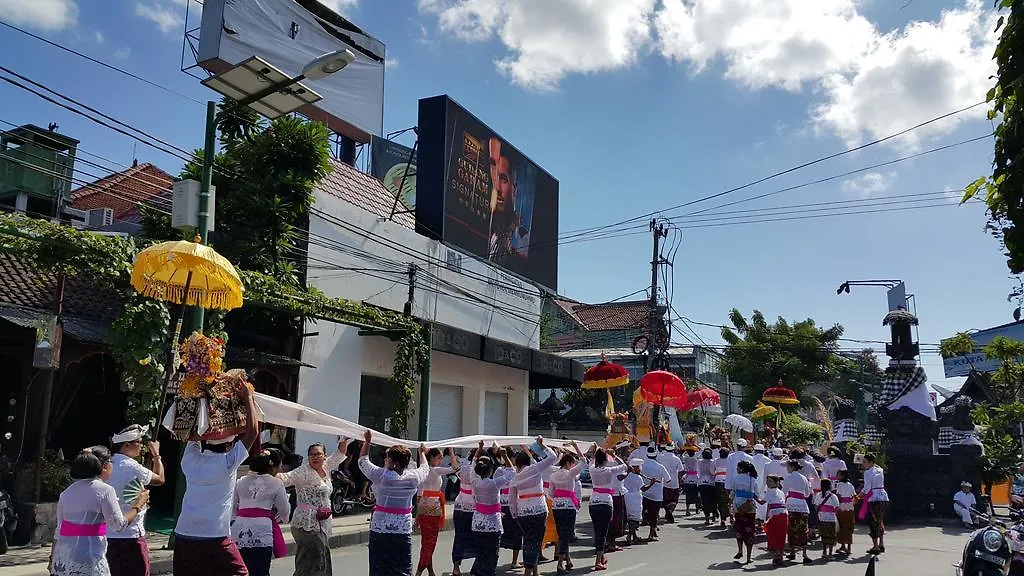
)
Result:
{"points": [[99, 217], [77, 217]]}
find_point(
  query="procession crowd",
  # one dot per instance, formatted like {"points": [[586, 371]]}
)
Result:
{"points": [[523, 500]]}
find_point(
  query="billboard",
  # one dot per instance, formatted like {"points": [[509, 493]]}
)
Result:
{"points": [[395, 166], [289, 36], [961, 365], [479, 194]]}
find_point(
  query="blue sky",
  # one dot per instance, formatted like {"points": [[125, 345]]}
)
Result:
{"points": [[638, 105]]}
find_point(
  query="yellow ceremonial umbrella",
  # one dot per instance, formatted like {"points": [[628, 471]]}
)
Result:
{"points": [[188, 274]]}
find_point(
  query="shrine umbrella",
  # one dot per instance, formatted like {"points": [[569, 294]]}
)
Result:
{"points": [[605, 375], [702, 398], [762, 411], [780, 395], [660, 384]]}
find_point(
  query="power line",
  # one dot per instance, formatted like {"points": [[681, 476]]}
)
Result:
{"points": [[99, 62], [788, 170]]}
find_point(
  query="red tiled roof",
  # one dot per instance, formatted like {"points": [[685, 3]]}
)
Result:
{"points": [[609, 316], [123, 191], [364, 191], [87, 307]]}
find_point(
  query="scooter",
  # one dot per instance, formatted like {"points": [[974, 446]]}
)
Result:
{"points": [[994, 550]]}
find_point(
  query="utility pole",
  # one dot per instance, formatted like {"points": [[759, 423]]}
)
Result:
{"points": [[654, 359]]}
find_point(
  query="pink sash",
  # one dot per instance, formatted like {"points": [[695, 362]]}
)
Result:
{"points": [[827, 509], [865, 505], [797, 495], [466, 491], [607, 491], [488, 508], [82, 530], [570, 494], [280, 548], [776, 506], [845, 499]]}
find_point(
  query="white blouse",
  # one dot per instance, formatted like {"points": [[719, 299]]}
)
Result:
{"points": [[606, 483], [464, 502], [689, 469], [721, 470], [832, 501], [394, 492], [846, 492], [706, 472], [265, 492], [874, 483], [831, 467], [775, 500], [487, 492], [529, 483], [797, 489], [431, 505], [744, 487], [563, 481], [312, 491], [89, 502]]}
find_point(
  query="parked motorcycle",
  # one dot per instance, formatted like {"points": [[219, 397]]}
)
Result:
{"points": [[994, 550], [345, 494]]}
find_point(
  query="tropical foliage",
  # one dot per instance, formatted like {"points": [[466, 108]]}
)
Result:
{"points": [[760, 354], [999, 427], [1007, 381]]}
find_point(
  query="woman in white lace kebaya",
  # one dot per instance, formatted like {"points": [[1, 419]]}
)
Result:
{"points": [[84, 510], [565, 503], [530, 506], [311, 523], [394, 485], [490, 480], [261, 506]]}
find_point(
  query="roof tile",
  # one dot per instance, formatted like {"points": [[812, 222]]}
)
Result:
{"points": [[123, 191], [607, 316], [364, 191]]}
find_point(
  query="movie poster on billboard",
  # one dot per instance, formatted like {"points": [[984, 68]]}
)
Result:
{"points": [[497, 204], [395, 166]]}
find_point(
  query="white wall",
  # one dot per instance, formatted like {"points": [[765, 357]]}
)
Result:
{"points": [[452, 289], [341, 357]]}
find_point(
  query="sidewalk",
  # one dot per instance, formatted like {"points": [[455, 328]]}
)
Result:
{"points": [[348, 530]]}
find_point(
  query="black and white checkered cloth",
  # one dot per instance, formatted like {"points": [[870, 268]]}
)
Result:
{"points": [[949, 436], [844, 409], [872, 435], [897, 382], [844, 431]]}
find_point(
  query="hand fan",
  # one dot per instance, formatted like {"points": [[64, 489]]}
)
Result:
{"points": [[132, 491]]}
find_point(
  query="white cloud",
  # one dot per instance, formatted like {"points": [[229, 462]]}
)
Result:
{"points": [[913, 75], [123, 53], [340, 6], [863, 82], [168, 17], [99, 37], [869, 183], [551, 39], [50, 15], [391, 63]]}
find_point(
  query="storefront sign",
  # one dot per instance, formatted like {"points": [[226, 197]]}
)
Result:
{"points": [[551, 365], [507, 354], [455, 341]]}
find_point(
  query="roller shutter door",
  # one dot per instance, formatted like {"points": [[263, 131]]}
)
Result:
{"points": [[445, 416], [496, 414]]}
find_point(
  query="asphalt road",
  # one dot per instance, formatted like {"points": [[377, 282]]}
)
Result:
{"points": [[689, 548]]}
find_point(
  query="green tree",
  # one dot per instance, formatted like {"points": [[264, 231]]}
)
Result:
{"points": [[1003, 190], [760, 354], [1002, 451]]}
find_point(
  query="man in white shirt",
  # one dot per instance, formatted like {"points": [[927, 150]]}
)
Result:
{"points": [[127, 550], [674, 466], [777, 465], [655, 495], [741, 454], [963, 502], [760, 462]]}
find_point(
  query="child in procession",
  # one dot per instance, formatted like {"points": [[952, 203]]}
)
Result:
{"points": [[827, 504], [634, 485], [845, 515], [776, 518]]}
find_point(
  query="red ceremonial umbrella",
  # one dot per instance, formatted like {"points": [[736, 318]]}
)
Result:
{"points": [[702, 398], [604, 374], [780, 395], [661, 384]]}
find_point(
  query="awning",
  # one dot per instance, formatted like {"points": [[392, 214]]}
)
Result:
{"points": [[546, 370], [80, 328]]}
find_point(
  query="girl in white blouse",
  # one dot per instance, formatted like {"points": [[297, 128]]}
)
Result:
{"points": [[876, 501], [487, 486], [394, 485], [84, 510], [565, 503], [311, 523], [531, 506], [604, 476], [431, 508], [261, 506]]}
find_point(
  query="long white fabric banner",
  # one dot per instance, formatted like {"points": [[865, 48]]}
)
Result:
{"points": [[282, 412]]}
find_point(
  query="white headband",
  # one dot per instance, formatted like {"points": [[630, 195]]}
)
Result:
{"points": [[129, 434], [220, 441]]}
